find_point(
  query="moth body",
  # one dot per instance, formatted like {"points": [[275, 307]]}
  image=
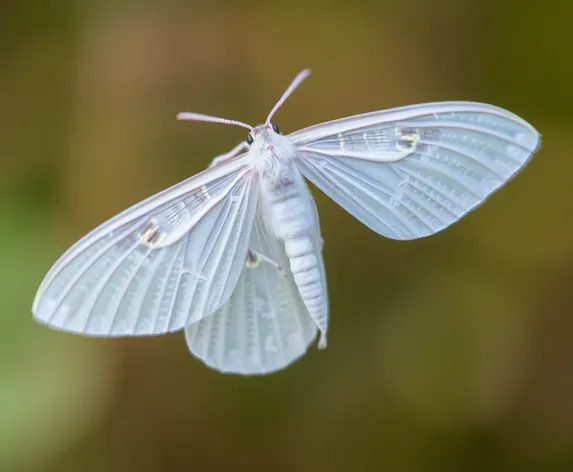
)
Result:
{"points": [[287, 209]]}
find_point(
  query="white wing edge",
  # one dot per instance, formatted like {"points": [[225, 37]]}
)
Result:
{"points": [[342, 125]]}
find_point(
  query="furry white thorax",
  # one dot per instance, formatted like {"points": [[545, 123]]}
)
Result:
{"points": [[272, 153], [282, 187]]}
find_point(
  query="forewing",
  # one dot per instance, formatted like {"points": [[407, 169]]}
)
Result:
{"points": [[167, 261], [410, 172], [264, 326]]}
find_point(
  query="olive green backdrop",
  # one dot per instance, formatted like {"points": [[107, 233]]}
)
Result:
{"points": [[451, 353]]}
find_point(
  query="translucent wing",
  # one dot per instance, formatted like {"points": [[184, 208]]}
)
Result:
{"points": [[410, 172], [167, 261], [264, 326]]}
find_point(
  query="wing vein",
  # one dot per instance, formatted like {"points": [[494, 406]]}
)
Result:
{"points": [[274, 315], [184, 248], [103, 281], [175, 261], [464, 127], [87, 265], [476, 160], [397, 216], [239, 209], [415, 182], [412, 194], [126, 288], [147, 284], [431, 165]]}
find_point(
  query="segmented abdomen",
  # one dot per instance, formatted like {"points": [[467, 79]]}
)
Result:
{"points": [[293, 222], [304, 266]]}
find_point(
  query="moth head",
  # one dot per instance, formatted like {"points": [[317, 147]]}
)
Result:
{"points": [[267, 138], [265, 133]]}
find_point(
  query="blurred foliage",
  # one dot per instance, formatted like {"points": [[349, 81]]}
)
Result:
{"points": [[448, 353]]}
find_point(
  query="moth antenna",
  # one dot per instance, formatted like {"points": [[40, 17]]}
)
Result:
{"points": [[294, 84], [211, 119]]}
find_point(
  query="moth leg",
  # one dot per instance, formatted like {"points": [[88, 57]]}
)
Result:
{"points": [[254, 259], [239, 148]]}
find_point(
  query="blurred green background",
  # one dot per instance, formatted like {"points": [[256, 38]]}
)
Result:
{"points": [[448, 353]]}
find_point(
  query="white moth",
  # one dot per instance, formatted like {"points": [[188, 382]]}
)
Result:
{"points": [[234, 254]]}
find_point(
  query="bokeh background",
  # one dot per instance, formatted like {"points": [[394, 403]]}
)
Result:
{"points": [[453, 352]]}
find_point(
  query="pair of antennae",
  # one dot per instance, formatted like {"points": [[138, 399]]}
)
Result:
{"points": [[213, 119]]}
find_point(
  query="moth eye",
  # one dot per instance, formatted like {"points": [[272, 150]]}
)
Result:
{"points": [[276, 128], [250, 139]]}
